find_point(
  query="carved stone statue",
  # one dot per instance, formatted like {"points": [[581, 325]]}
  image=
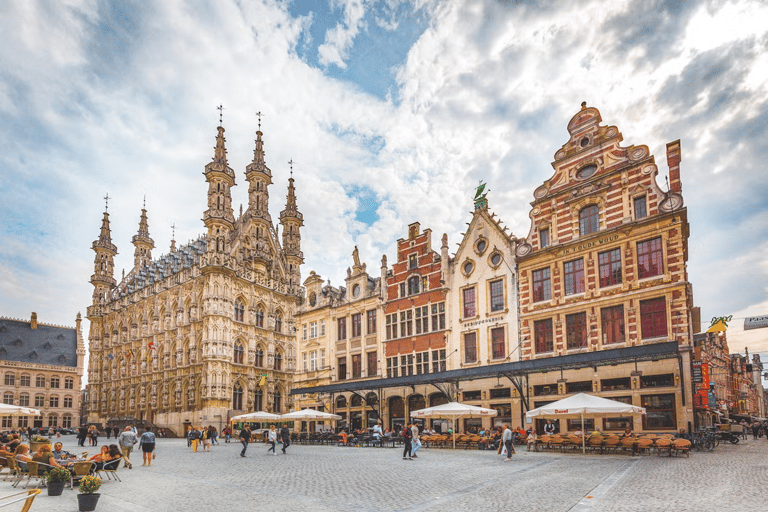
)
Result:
{"points": [[356, 257]]}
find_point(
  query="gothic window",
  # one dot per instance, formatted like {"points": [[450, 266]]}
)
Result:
{"points": [[260, 317], [24, 400], [278, 361], [588, 220], [239, 310], [26, 380], [259, 357], [8, 398], [53, 402], [258, 400], [278, 322], [238, 359], [278, 401], [10, 379], [237, 397]]}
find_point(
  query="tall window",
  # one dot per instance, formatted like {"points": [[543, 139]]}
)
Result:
{"points": [[438, 316], [278, 404], [239, 310], [406, 323], [237, 397], [24, 400], [588, 220], [497, 295], [69, 382], [322, 327], [413, 285], [542, 331], [68, 402], [422, 319], [66, 421], [542, 289], [653, 318], [391, 326], [305, 330], [342, 368], [258, 400], [610, 267], [278, 322], [10, 379], [357, 366], [55, 382], [39, 401], [498, 343], [260, 318], [576, 330], [470, 347], [8, 398], [543, 238], [341, 324], [357, 327], [373, 360], [438, 361], [26, 380], [641, 211], [573, 275], [278, 361], [238, 359], [53, 401], [312, 330], [470, 309], [649, 256], [312, 360], [612, 321], [412, 261], [40, 381], [322, 358], [53, 420], [370, 317], [259, 357]]}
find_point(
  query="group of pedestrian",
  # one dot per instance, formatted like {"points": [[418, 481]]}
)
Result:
{"points": [[284, 435], [411, 441], [206, 436]]}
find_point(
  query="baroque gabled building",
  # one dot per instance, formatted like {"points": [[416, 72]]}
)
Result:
{"points": [[207, 330]]}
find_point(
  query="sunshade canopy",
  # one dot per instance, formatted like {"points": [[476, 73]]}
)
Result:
{"points": [[258, 416], [583, 404], [310, 414], [17, 410], [454, 410]]}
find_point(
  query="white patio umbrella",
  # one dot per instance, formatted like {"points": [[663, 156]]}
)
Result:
{"points": [[17, 410], [310, 415], [454, 411], [581, 405], [257, 416]]}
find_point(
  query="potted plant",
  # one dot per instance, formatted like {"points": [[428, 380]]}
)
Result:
{"points": [[36, 442], [56, 479], [88, 497]]}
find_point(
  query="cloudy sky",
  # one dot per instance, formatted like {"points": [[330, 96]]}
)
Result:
{"points": [[392, 112]]}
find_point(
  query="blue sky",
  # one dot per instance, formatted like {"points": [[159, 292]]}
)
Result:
{"points": [[391, 110]]}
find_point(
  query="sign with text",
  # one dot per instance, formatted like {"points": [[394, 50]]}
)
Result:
{"points": [[755, 322]]}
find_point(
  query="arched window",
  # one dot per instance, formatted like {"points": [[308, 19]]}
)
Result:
{"points": [[66, 421], [413, 285], [278, 361], [278, 322], [258, 400], [278, 402], [356, 401], [260, 317], [341, 402], [69, 383], [24, 400], [53, 420], [259, 357], [238, 353], [8, 398], [239, 310], [237, 397], [589, 220]]}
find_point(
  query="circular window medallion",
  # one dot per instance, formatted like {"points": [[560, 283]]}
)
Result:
{"points": [[587, 171], [481, 245], [356, 290], [496, 259], [312, 299], [468, 267], [540, 192], [584, 142]]}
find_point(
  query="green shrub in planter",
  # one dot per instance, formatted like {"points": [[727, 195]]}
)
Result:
{"points": [[58, 475], [89, 484]]}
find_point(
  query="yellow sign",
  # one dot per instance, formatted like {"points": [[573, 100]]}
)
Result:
{"points": [[262, 380], [719, 324]]}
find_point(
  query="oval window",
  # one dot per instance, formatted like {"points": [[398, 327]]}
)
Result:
{"points": [[481, 245], [496, 259], [356, 290], [468, 266], [587, 171], [312, 299]]}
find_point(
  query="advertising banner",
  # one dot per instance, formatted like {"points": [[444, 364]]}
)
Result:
{"points": [[755, 322]]}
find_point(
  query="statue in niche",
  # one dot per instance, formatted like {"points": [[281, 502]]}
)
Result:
{"points": [[177, 394], [178, 357]]}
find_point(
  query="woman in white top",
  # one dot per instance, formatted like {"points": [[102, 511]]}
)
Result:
{"points": [[272, 440]]}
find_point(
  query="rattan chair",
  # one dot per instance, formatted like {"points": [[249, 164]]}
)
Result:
{"points": [[663, 445], [644, 445], [681, 446], [611, 443]]}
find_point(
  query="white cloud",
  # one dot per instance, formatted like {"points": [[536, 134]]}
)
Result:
{"points": [[339, 39]]}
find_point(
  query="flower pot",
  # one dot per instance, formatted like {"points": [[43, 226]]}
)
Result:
{"points": [[87, 502], [34, 446], [55, 488]]}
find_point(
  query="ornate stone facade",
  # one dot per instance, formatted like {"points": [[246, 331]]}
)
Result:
{"points": [[41, 366], [207, 330]]}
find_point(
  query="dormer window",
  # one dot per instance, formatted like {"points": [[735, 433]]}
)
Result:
{"points": [[586, 172], [312, 299], [588, 220]]}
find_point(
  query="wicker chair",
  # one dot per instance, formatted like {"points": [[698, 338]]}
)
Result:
{"points": [[628, 444], [663, 445], [611, 443], [644, 445], [681, 446], [596, 443]]}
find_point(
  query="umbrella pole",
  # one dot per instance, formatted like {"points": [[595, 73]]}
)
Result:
{"points": [[583, 437]]}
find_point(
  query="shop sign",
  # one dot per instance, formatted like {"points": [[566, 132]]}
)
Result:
{"points": [[591, 244], [755, 322], [697, 376]]}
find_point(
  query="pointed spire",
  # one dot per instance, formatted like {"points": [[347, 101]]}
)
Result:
{"points": [[105, 236], [142, 255], [220, 150]]}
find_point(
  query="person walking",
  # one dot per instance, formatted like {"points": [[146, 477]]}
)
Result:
{"points": [[127, 440], [147, 446], [108, 431], [227, 433], [214, 435], [194, 438], [285, 435], [506, 438], [245, 438], [407, 434], [82, 433], [415, 441], [272, 437], [206, 435], [115, 431]]}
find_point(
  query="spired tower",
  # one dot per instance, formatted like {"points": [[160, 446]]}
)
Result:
{"points": [[142, 255], [103, 279], [292, 220], [219, 218]]}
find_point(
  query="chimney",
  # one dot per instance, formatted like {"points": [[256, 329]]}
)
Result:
{"points": [[33, 321], [673, 161]]}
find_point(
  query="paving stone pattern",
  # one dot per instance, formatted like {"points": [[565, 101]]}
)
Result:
{"points": [[329, 478]]}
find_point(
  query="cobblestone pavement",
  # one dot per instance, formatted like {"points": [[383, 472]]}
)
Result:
{"points": [[328, 478]]}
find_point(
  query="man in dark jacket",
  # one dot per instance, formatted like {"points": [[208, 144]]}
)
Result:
{"points": [[82, 433], [245, 438], [285, 435]]}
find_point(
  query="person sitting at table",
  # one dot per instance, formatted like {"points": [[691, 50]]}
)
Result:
{"points": [[627, 432], [60, 454], [682, 434], [22, 456], [45, 456], [533, 439]]}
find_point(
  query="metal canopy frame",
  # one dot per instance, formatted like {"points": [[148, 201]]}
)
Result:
{"points": [[517, 372]]}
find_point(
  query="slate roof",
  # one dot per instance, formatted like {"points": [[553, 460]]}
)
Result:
{"points": [[48, 344]]}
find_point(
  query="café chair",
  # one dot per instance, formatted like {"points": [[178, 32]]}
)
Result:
{"points": [[28, 497]]}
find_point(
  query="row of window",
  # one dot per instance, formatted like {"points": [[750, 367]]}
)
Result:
{"points": [[314, 360], [240, 316], [6, 422], [418, 363], [416, 321], [26, 380], [496, 298], [649, 264], [239, 357], [258, 399], [653, 324], [589, 219], [371, 370], [356, 325], [53, 401], [498, 345]]}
